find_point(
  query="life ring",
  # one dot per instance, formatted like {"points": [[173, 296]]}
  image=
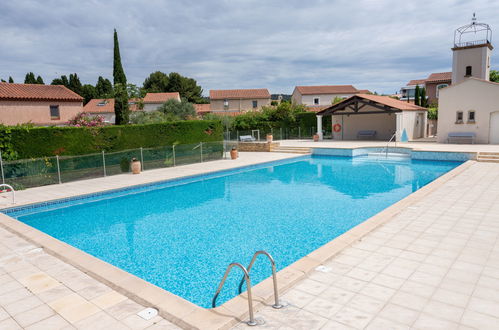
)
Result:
{"points": [[337, 128]]}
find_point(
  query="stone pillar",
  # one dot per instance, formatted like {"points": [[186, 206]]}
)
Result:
{"points": [[319, 127]]}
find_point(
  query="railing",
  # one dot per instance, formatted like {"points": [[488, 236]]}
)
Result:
{"points": [[471, 43], [11, 190], [277, 304], [251, 321], [285, 133], [394, 136], [26, 173]]}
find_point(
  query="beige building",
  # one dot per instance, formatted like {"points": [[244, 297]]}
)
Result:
{"points": [[374, 117], [471, 106], [38, 104], [105, 108], [468, 110], [234, 101], [152, 101], [319, 96]]}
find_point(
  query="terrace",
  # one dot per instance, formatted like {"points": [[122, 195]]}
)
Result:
{"points": [[411, 266]]}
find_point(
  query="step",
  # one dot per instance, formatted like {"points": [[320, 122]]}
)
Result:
{"points": [[483, 153], [488, 156], [488, 160]]}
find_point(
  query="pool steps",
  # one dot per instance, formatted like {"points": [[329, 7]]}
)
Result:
{"points": [[490, 157], [292, 150]]}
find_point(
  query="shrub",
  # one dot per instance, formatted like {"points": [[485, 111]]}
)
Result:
{"points": [[84, 119], [49, 141]]}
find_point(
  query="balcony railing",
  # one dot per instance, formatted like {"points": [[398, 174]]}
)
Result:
{"points": [[472, 43]]}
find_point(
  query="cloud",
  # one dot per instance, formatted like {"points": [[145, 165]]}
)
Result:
{"points": [[378, 45]]}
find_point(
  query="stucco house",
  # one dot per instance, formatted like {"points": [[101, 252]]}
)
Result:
{"points": [[152, 101], [235, 101], [367, 116], [468, 110], [202, 109], [433, 83], [38, 104], [320, 96], [105, 108]]}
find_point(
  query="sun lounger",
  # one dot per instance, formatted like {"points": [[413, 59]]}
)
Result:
{"points": [[246, 138]]}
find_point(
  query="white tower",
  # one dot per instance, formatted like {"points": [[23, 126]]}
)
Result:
{"points": [[471, 51]]}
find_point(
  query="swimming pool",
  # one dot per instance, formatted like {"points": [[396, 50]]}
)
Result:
{"points": [[181, 235]]}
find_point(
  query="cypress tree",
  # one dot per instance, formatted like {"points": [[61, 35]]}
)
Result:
{"points": [[30, 78], [118, 72], [416, 95], [424, 101], [11, 81], [121, 109], [75, 83], [39, 80]]}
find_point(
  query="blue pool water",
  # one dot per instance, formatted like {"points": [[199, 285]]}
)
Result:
{"points": [[182, 235]]}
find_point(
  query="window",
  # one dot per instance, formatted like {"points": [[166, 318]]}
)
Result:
{"points": [[255, 104], [459, 117], [441, 86], [471, 116], [102, 103], [226, 104], [54, 112], [316, 101], [468, 71]]}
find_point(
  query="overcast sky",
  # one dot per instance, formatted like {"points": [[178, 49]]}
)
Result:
{"points": [[372, 44]]}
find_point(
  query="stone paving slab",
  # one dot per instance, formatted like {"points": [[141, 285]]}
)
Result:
{"points": [[435, 265]]}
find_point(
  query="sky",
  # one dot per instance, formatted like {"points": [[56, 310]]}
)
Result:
{"points": [[275, 44]]}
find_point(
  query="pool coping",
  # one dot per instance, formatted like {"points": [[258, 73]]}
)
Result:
{"points": [[190, 316]]}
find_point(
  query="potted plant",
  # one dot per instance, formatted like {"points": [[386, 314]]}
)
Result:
{"points": [[233, 153], [269, 137], [136, 166]]}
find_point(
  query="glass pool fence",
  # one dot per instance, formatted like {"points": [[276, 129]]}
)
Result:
{"points": [[27, 173], [286, 133]]}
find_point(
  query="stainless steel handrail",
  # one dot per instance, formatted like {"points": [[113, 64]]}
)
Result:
{"points": [[277, 304], [386, 148], [251, 321], [11, 190]]}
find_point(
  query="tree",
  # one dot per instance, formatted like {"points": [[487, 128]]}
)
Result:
{"points": [[11, 81], [39, 80], [424, 101], [494, 76], [121, 108], [63, 80], [3, 80], [30, 78], [75, 83], [150, 117], [416, 95], [88, 92], [180, 110], [103, 88], [157, 82], [118, 72]]}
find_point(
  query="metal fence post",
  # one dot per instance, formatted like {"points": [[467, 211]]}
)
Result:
{"points": [[141, 159], [280, 133], [299, 133], [1, 167], [104, 163], [173, 147], [237, 135], [58, 169], [201, 150]]}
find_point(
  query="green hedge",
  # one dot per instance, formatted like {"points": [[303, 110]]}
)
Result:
{"points": [[49, 141]]}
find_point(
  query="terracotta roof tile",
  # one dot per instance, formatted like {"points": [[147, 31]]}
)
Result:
{"points": [[161, 97], [221, 94], [106, 105], [385, 100], [332, 89], [416, 82], [439, 77], [202, 108], [363, 91], [37, 92]]}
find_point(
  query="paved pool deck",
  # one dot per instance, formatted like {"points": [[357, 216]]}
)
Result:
{"points": [[432, 265]]}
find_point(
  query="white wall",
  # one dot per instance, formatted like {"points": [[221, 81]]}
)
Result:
{"points": [[324, 99], [472, 94], [151, 106], [476, 57]]}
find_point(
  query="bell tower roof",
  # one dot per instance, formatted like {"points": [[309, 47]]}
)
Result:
{"points": [[473, 34]]}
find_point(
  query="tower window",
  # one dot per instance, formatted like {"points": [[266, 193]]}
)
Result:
{"points": [[459, 117], [471, 116], [468, 71]]}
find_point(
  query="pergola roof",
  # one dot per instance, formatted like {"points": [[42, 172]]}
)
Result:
{"points": [[383, 104]]}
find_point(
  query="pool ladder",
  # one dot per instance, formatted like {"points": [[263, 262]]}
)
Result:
{"points": [[246, 278], [11, 190]]}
